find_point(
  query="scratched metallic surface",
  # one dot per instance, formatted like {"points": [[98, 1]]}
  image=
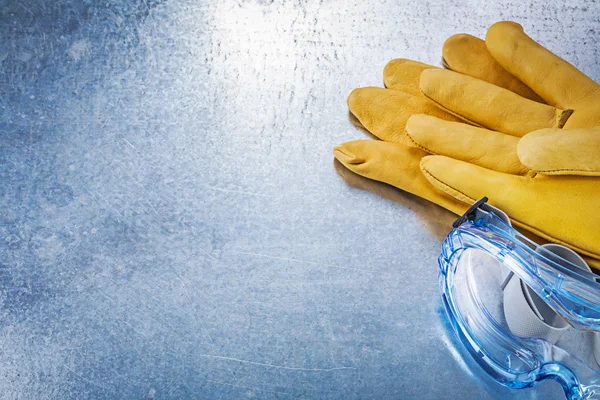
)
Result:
{"points": [[172, 223]]}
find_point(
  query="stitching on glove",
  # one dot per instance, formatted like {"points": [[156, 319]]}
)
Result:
{"points": [[426, 172], [418, 145], [581, 171]]}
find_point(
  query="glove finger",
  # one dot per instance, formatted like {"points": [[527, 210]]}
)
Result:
{"points": [[469, 55], [479, 146], [487, 105], [396, 165], [552, 78], [384, 112], [466, 182], [560, 209], [402, 74], [561, 151]]}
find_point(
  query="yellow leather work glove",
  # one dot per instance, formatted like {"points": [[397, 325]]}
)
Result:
{"points": [[560, 209], [384, 113], [552, 188]]}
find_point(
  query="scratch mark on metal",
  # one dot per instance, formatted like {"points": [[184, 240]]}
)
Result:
{"points": [[276, 366], [86, 380], [189, 299], [207, 253], [301, 261], [152, 206], [198, 319], [239, 192], [247, 387], [127, 141], [27, 9]]}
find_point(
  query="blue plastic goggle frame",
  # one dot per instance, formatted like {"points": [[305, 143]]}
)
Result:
{"points": [[511, 360]]}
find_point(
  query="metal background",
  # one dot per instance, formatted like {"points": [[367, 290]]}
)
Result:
{"points": [[172, 223]]}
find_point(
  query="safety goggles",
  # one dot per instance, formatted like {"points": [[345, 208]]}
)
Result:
{"points": [[525, 312]]}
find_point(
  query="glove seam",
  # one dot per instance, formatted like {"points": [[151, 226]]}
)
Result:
{"points": [[583, 171], [418, 145], [429, 174]]}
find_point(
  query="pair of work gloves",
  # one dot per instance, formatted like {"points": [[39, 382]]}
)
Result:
{"points": [[506, 119]]}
